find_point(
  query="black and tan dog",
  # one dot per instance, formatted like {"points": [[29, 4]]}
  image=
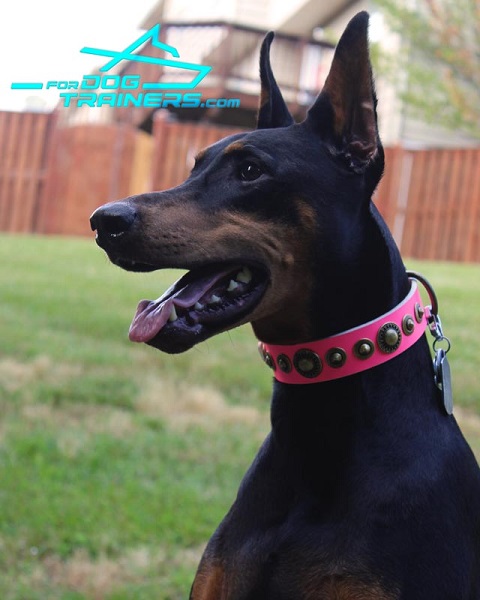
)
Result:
{"points": [[365, 487]]}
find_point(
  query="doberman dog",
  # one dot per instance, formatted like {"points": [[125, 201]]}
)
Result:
{"points": [[365, 488]]}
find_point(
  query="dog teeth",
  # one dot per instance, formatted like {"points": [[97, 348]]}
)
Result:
{"points": [[198, 306], [214, 299], [245, 275], [232, 285], [173, 315]]}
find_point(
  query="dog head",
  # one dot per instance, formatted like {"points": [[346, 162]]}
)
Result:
{"points": [[267, 221]]}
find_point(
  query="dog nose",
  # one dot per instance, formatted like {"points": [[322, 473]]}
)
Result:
{"points": [[113, 219]]}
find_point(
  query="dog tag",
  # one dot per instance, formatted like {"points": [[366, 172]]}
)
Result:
{"points": [[443, 380]]}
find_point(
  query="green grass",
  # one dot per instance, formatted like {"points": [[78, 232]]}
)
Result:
{"points": [[116, 461]]}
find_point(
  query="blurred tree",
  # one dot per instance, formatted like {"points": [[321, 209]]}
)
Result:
{"points": [[437, 68]]}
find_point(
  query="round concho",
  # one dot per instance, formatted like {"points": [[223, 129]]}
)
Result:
{"points": [[266, 356], [284, 363], [307, 363], [269, 361], [389, 337]]}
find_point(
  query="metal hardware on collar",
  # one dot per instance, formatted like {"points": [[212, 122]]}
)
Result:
{"points": [[433, 318], [284, 363], [307, 363], [408, 325], [441, 368], [430, 291], [389, 337], [352, 351], [419, 312], [363, 349], [336, 357], [443, 380]]}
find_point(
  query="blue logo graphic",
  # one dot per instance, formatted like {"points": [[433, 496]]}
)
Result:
{"points": [[128, 90], [127, 54], [153, 35]]}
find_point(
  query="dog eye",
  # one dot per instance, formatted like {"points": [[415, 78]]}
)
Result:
{"points": [[249, 171]]}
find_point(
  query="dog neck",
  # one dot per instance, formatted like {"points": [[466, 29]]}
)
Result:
{"points": [[329, 427], [378, 417]]}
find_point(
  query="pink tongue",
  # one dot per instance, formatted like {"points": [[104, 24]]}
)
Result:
{"points": [[152, 315]]}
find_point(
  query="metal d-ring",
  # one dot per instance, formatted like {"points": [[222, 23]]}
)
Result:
{"points": [[434, 322], [430, 291], [438, 341]]}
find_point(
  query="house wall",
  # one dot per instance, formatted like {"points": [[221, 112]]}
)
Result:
{"points": [[242, 12], [302, 17]]}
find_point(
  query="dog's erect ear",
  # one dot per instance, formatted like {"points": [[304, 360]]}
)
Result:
{"points": [[345, 111], [273, 111]]}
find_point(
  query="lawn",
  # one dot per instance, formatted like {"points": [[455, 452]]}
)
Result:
{"points": [[116, 461]]}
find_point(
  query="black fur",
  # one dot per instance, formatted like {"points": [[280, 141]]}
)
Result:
{"points": [[364, 487]]}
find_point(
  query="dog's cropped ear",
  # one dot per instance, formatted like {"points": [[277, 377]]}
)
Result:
{"points": [[345, 111], [273, 111]]}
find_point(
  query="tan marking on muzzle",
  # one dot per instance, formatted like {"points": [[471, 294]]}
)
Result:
{"points": [[180, 235]]}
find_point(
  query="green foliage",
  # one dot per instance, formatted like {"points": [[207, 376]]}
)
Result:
{"points": [[437, 68]]}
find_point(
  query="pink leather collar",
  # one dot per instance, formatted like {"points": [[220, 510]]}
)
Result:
{"points": [[352, 351]]}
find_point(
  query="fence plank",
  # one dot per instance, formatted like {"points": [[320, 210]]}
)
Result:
{"points": [[34, 172], [472, 241], [4, 173], [9, 171], [437, 200], [457, 204], [22, 162], [141, 179]]}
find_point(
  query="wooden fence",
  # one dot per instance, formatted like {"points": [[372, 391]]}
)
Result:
{"points": [[24, 139], [431, 202], [87, 166], [52, 178]]}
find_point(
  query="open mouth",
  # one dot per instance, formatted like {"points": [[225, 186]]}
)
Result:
{"points": [[202, 303]]}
